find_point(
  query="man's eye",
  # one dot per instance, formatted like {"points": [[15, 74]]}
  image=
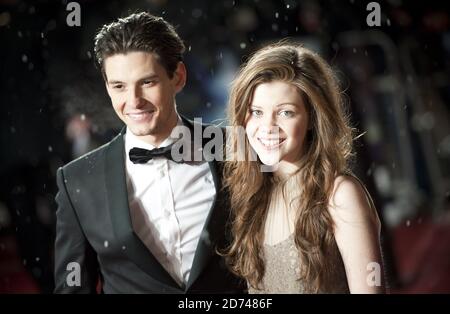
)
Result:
{"points": [[118, 86], [149, 82], [286, 113]]}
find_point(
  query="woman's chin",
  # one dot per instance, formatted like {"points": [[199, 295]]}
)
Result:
{"points": [[269, 160]]}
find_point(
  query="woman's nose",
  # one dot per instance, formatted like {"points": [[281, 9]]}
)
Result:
{"points": [[269, 124]]}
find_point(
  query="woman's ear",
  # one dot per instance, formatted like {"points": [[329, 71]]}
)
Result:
{"points": [[180, 77]]}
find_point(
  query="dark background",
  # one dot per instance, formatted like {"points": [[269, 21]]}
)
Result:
{"points": [[54, 107]]}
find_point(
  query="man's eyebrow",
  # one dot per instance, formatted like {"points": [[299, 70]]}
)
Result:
{"points": [[114, 82], [146, 77], [149, 77]]}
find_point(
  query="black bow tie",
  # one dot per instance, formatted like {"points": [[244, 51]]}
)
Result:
{"points": [[141, 156]]}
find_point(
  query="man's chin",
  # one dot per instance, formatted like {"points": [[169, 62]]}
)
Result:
{"points": [[141, 131]]}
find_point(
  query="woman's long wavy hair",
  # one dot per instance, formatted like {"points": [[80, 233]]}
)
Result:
{"points": [[328, 150]]}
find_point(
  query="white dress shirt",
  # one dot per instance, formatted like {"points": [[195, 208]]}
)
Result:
{"points": [[169, 203]]}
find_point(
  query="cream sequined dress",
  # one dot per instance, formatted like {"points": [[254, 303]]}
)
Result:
{"points": [[282, 263]]}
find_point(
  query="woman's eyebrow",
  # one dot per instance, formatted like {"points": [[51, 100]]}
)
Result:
{"points": [[287, 104]]}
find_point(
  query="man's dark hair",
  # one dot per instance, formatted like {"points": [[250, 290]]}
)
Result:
{"points": [[140, 32]]}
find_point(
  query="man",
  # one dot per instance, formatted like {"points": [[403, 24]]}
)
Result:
{"points": [[130, 220]]}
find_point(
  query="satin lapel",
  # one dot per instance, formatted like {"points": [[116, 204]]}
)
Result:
{"points": [[117, 198]]}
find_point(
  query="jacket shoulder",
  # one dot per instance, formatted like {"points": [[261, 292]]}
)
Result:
{"points": [[88, 160]]}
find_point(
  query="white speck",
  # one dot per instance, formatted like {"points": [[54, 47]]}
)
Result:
{"points": [[24, 261], [24, 58], [190, 47], [50, 149], [82, 117], [106, 243], [296, 28], [208, 105], [37, 259], [408, 223], [388, 22], [124, 247], [354, 50], [277, 15], [243, 45], [78, 190], [88, 53], [19, 33], [287, 6]]}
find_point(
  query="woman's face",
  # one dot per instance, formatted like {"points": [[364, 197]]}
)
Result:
{"points": [[277, 123]]}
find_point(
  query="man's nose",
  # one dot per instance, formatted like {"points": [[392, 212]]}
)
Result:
{"points": [[134, 97]]}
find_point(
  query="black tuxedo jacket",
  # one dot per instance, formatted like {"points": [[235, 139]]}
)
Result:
{"points": [[94, 230]]}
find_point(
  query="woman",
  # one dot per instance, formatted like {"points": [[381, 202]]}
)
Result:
{"points": [[309, 225]]}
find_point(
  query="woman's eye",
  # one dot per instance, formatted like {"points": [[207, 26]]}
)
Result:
{"points": [[286, 113], [256, 113]]}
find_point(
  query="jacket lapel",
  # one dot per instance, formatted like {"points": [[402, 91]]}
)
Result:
{"points": [[117, 199], [214, 227], [211, 233]]}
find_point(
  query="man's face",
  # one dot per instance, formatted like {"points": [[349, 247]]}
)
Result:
{"points": [[143, 95]]}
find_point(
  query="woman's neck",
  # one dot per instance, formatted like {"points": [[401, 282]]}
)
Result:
{"points": [[285, 169]]}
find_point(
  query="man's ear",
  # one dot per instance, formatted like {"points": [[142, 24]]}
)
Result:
{"points": [[107, 88], [179, 77], [105, 80]]}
